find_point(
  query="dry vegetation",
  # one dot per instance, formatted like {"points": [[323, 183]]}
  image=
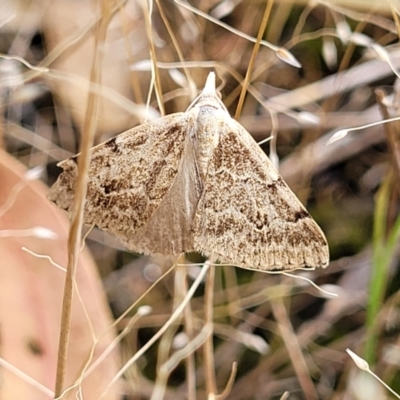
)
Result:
{"points": [[94, 64]]}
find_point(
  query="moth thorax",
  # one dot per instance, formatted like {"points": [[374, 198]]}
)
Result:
{"points": [[207, 137]]}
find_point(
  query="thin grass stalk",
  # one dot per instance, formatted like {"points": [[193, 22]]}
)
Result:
{"points": [[147, 11], [75, 234], [209, 364], [294, 349], [190, 361], [383, 252], [256, 48], [164, 348], [177, 48], [133, 75]]}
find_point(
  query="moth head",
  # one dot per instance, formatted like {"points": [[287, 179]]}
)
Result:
{"points": [[209, 95]]}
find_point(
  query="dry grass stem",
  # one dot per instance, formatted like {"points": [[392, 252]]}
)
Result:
{"points": [[253, 57], [294, 349], [209, 363], [74, 240]]}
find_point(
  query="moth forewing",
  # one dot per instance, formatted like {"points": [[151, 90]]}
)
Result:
{"points": [[248, 216], [129, 177]]}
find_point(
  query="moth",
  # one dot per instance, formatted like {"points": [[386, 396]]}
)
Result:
{"points": [[196, 181]]}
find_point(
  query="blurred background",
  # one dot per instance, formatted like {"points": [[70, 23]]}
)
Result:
{"points": [[289, 338]]}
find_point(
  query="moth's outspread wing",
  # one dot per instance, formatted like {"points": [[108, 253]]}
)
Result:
{"points": [[247, 215], [129, 178]]}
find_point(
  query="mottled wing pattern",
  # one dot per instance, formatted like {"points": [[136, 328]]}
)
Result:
{"points": [[129, 177], [247, 215]]}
